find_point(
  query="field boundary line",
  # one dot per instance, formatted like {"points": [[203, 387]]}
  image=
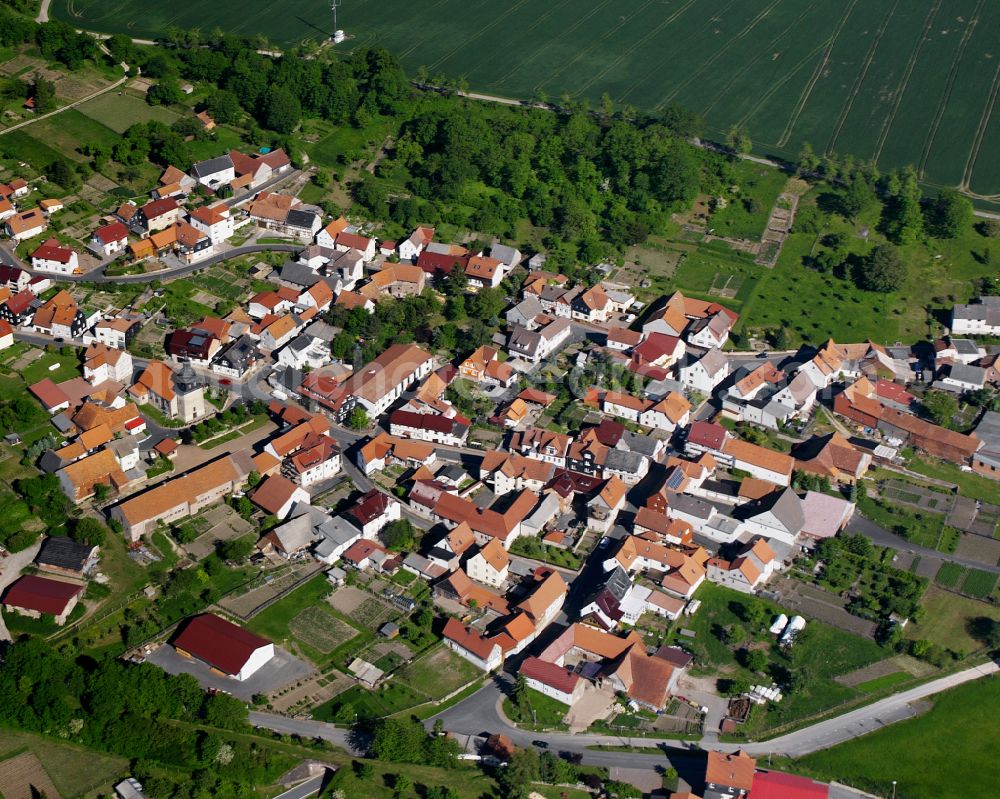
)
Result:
{"points": [[778, 85], [905, 80], [607, 34], [753, 61], [807, 91], [417, 44], [466, 42], [764, 12], [859, 80], [984, 123], [540, 49], [948, 88], [667, 56]]}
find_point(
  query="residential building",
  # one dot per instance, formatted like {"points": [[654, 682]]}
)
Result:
{"points": [[980, 318], [214, 221], [489, 565], [986, 460], [373, 512], [25, 225], [437, 428], [484, 653], [215, 172], [79, 479], [557, 682], [193, 345], [60, 317], [484, 272], [51, 256], [751, 568], [116, 333], [102, 363], [158, 214], [411, 248], [374, 387], [729, 775], [705, 373], [277, 495], [110, 239]]}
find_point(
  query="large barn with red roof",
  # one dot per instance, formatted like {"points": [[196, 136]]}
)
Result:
{"points": [[224, 646]]}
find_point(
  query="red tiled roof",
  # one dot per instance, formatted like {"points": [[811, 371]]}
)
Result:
{"points": [[550, 674], [41, 594], [116, 231], [218, 642], [777, 785]]}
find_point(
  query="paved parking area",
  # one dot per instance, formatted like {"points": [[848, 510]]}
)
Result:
{"points": [[284, 669]]}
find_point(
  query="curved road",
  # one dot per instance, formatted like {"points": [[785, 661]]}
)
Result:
{"points": [[480, 714]]}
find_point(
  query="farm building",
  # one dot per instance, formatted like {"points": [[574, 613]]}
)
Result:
{"points": [[228, 649]]}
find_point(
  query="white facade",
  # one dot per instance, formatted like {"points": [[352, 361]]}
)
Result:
{"points": [[697, 378], [493, 660], [258, 658], [68, 267], [321, 471], [480, 570]]}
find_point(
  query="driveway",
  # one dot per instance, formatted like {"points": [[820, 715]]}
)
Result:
{"points": [[10, 569]]}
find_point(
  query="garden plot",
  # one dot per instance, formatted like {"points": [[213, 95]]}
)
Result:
{"points": [[976, 547], [919, 498], [267, 590], [316, 628], [23, 777], [980, 518]]}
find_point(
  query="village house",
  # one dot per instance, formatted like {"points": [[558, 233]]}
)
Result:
{"points": [[110, 239], [102, 363], [490, 565], [214, 221], [373, 387], [60, 317], [980, 318], [437, 428], [751, 568], [411, 248], [215, 172], [25, 225], [158, 214], [51, 256]]}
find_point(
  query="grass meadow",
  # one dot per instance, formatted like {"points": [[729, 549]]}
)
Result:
{"points": [[900, 83], [943, 754]]}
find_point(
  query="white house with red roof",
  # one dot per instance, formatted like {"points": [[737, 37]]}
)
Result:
{"points": [[110, 239], [415, 244], [373, 512], [214, 221], [558, 682], [53, 257], [224, 646]]}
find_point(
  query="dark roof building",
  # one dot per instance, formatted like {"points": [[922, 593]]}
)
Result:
{"points": [[62, 554]]}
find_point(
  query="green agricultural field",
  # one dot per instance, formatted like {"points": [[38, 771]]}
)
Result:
{"points": [[903, 752], [899, 82]]}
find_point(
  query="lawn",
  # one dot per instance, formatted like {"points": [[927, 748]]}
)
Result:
{"points": [[542, 711], [284, 622], [438, 673], [885, 681], [70, 131], [39, 369], [120, 111], [969, 485], [812, 305], [360, 703], [914, 753], [469, 782], [821, 651], [74, 771], [747, 211], [945, 619], [897, 83]]}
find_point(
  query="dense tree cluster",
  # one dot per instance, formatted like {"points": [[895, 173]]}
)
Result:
{"points": [[406, 741], [139, 712]]}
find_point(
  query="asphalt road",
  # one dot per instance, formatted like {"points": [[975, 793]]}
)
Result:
{"points": [[480, 714], [310, 787]]}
